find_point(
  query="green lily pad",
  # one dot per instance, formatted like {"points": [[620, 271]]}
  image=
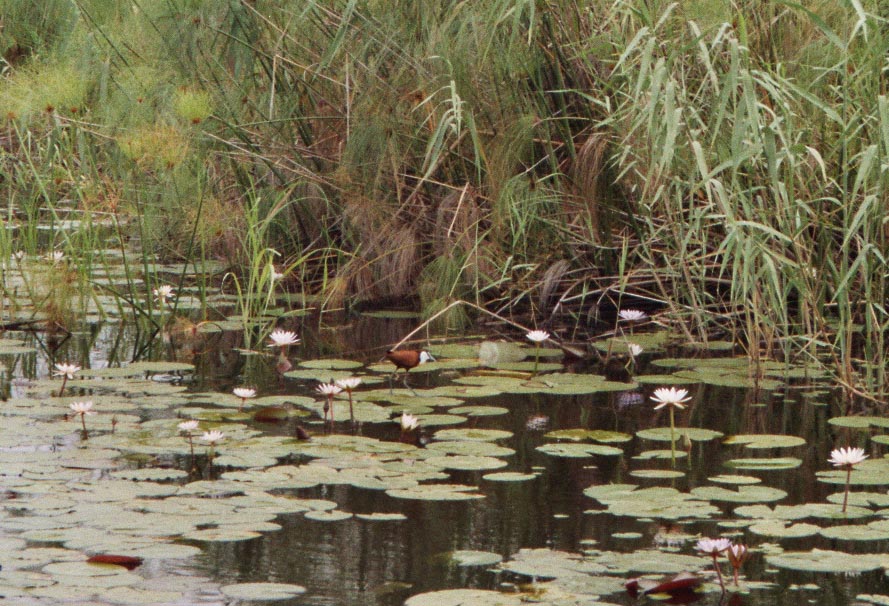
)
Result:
{"points": [[262, 591], [474, 558], [437, 492], [509, 476], [484, 435], [578, 450], [464, 597], [781, 530], [327, 363], [466, 462], [860, 422], [765, 463], [663, 434], [821, 560], [765, 441], [657, 473], [744, 494], [855, 532], [597, 435]]}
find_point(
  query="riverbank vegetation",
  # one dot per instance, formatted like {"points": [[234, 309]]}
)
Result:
{"points": [[723, 161]]}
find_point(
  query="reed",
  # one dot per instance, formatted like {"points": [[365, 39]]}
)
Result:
{"points": [[722, 159]]}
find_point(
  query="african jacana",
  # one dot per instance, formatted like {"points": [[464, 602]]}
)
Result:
{"points": [[406, 359]]}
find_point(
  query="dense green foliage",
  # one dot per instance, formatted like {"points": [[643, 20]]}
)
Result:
{"points": [[725, 158]]}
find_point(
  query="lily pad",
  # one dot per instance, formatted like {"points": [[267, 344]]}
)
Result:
{"points": [[765, 441], [822, 560], [262, 591]]}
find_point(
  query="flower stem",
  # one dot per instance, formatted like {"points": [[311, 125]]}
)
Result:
{"points": [[536, 356], [848, 480], [672, 438], [718, 573], [62, 388]]}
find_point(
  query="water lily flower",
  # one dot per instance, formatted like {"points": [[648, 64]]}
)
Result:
{"points": [[846, 458], [349, 383], [409, 422], [634, 349], [283, 338], [66, 371], [55, 256], [276, 275], [163, 293], [842, 457], [329, 390], [632, 315], [244, 393], [670, 396], [188, 426], [537, 336], [213, 437], [713, 547], [737, 555], [82, 409]]}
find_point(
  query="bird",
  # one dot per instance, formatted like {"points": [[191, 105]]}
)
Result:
{"points": [[406, 359]]}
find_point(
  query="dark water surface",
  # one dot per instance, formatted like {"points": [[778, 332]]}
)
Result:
{"points": [[356, 562]]}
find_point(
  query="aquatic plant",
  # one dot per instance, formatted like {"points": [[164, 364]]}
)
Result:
{"points": [[186, 428], [537, 337], [329, 390], [846, 458], [244, 393], [737, 555], [66, 371], [348, 384], [673, 398], [713, 548], [212, 438], [82, 409]]}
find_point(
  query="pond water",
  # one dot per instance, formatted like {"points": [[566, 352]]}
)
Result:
{"points": [[566, 530]]}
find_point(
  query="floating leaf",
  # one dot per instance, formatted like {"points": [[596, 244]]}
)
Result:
{"points": [[663, 434], [769, 463], [821, 560], [765, 441], [744, 494], [464, 597], [474, 558], [509, 476], [597, 435], [578, 450], [262, 591]]}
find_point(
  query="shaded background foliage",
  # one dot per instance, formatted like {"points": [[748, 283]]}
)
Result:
{"points": [[724, 160]]}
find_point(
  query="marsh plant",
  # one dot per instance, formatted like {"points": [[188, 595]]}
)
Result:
{"points": [[329, 390], [714, 548], [187, 429], [82, 409], [537, 337], [672, 398], [66, 371], [244, 394], [212, 438], [348, 384], [847, 459]]}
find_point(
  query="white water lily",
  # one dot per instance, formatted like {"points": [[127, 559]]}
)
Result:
{"points": [[82, 408], [409, 422], [188, 426], [349, 383], [634, 349], [244, 392], [842, 457], [713, 547], [213, 437], [670, 396], [328, 389], [537, 336], [65, 370], [163, 293], [632, 315], [282, 338]]}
